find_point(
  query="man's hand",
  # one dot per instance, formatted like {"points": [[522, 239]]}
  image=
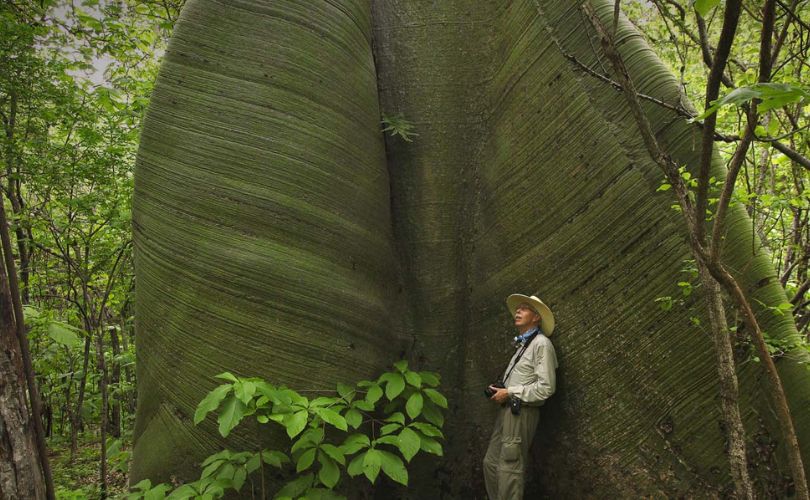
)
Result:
{"points": [[501, 395]]}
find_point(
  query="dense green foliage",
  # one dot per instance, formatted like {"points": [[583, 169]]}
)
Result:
{"points": [[353, 432]]}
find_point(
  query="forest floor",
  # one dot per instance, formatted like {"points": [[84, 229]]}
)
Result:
{"points": [[80, 479]]}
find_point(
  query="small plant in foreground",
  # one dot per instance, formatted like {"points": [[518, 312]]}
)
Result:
{"points": [[360, 431]]}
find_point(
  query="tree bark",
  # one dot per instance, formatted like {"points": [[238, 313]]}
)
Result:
{"points": [[20, 473]]}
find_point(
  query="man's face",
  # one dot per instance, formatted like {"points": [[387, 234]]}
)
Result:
{"points": [[525, 316]]}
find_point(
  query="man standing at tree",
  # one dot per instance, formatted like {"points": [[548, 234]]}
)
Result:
{"points": [[527, 382]]}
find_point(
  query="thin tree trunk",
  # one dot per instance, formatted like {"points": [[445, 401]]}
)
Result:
{"points": [[115, 424], [729, 387], [103, 389], [76, 414]]}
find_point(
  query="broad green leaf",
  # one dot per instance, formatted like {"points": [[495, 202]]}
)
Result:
{"points": [[309, 439], [703, 7], [390, 439], [372, 461], [433, 414], [244, 391], [329, 473], [353, 418], [413, 379], [355, 467], [296, 422], [334, 453], [345, 391], [395, 384], [63, 334], [211, 402], [401, 365], [321, 494], [436, 397], [396, 417], [231, 414], [394, 468], [362, 404], [239, 478], [323, 401], [305, 460], [374, 393], [227, 376], [332, 417], [414, 405], [274, 458], [389, 428], [430, 445], [409, 443], [355, 443], [294, 488], [427, 429], [430, 378], [158, 492]]}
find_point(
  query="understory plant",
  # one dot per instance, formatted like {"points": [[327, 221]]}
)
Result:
{"points": [[376, 426]]}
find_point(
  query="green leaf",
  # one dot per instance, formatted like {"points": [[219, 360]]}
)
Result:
{"points": [[362, 404], [232, 412], [355, 467], [430, 445], [244, 391], [332, 417], [414, 405], [436, 397], [409, 443], [401, 365], [211, 402], [309, 439], [353, 418], [396, 417], [394, 386], [427, 429], [323, 401], [239, 478], [63, 334], [345, 392], [294, 488], [227, 376], [334, 453], [389, 428], [274, 458], [703, 7], [295, 422], [433, 415], [305, 460], [413, 379], [355, 443], [329, 473], [394, 468], [374, 394], [372, 461], [390, 439], [430, 378]]}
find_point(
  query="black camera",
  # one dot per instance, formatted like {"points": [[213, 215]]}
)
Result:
{"points": [[514, 403], [489, 392]]}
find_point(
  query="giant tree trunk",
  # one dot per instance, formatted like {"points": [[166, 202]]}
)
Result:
{"points": [[279, 234]]}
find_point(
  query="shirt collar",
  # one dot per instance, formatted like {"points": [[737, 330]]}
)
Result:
{"points": [[521, 339]]}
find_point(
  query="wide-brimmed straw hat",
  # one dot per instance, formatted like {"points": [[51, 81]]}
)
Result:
{"points": [[546, 317]]}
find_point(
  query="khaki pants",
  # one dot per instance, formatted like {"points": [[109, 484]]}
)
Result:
{"points": [[508, 452]]}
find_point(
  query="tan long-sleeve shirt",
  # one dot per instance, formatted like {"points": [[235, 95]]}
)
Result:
{"points": [[533, 379]]}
